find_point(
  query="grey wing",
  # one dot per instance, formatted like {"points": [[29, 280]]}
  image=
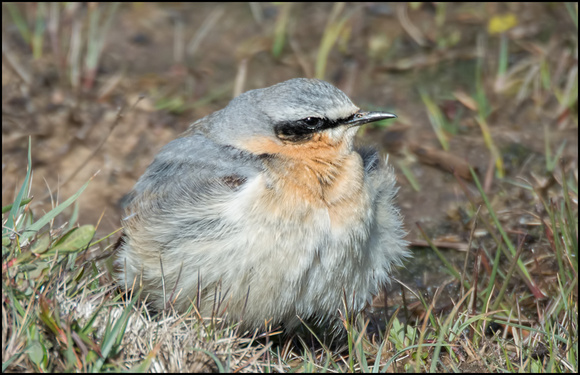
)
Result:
{"points": [[196, 160], [184, 190]]}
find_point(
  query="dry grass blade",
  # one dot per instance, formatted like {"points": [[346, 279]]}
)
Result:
{"points": [[334, 27]]}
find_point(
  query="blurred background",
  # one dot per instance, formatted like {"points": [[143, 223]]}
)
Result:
{"points": [[101, 87]]}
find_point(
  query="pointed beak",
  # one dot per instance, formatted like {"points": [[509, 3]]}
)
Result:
{"points": [[361, 118]]}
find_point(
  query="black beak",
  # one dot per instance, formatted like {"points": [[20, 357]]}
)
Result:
{"points": [[361, 118]]}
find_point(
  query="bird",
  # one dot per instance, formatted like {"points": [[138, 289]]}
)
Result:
{"points": [[268, 210]]}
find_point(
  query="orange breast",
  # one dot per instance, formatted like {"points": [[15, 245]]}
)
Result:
{"points": [[320, 172]]}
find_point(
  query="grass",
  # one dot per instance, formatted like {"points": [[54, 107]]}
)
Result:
{"points": [[440, 126], [514, 299]]}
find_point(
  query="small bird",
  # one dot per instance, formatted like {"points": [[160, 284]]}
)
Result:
{"points": [[267, 209]]}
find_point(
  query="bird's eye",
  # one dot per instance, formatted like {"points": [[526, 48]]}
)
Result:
{"points": [[312, 121]]}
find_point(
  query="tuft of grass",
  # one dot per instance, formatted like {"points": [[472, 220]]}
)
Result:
{"points": [[546, 342], [333, 29], [281, 29], [99, 25], [59, 22]]}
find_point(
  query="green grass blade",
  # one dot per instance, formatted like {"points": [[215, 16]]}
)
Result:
{"points": [[448, 265], [39, 28], [436, 118], [8, 207], [491, 145], [503, 55], [115, 335], [16, 205], [218, 363], [573, 11], [377, 365], [280, 29], [21, 24], [409, 175], [443, 332]]}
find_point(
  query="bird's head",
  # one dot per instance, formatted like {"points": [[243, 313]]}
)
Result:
{"points": [[289, 118]]}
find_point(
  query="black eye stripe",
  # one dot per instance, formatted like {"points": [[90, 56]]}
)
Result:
{"points": [[303, 129], [305, 126], [297, 131]]}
